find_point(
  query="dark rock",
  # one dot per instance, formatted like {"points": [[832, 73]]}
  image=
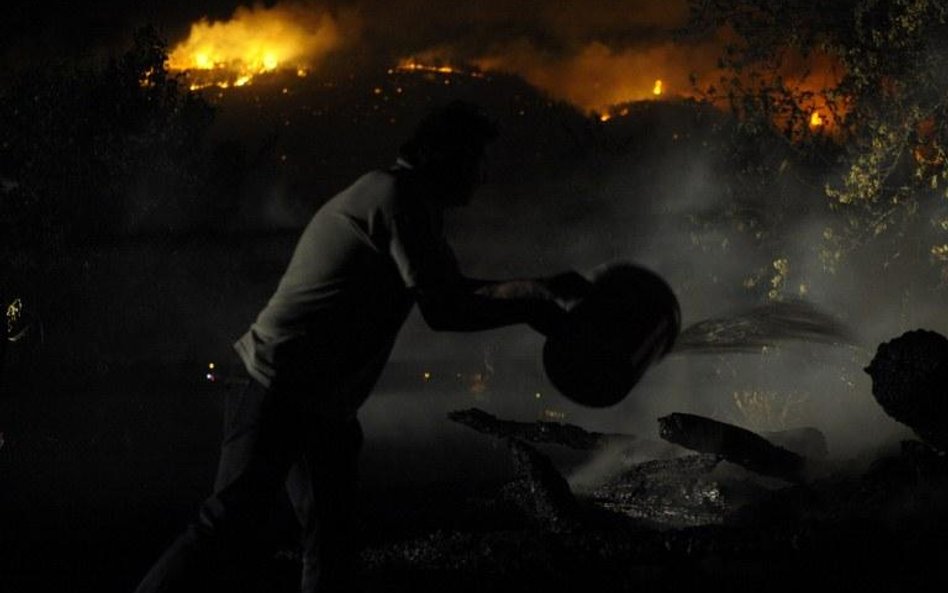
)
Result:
{"points": [[733, 443], [910, 382]]}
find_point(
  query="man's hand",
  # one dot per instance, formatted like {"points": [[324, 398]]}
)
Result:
{"points": [[547, 317], [567, 288], [482, 304]]}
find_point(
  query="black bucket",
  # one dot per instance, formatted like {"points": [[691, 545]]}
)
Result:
{"points": [[629, 320]]}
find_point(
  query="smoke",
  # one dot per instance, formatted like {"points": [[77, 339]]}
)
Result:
{"points": [[672, 206], [641, 205], [597, 76]]}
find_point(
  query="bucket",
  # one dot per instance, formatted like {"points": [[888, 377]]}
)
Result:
{"points": [[628, 321]]}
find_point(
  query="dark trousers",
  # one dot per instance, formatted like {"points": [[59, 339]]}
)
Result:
{"points": [[271, 438]]}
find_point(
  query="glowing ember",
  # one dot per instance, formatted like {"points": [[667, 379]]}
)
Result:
{"points": [[254, 41], [657, 89], [816, 120], [147, 80], [554, 415], [211, 376], [413, 65]]}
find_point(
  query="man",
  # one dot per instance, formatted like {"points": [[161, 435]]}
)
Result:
{"points": [[316, 350]]}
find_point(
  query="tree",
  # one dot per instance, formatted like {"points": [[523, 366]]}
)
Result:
{"points": [[82, 144], [880, 153]]}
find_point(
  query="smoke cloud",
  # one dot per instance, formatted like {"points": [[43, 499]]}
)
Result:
{"points": [[597, 76]]}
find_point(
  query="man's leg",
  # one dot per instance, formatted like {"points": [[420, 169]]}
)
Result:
{"points": [[322, 487], [261, 442]]}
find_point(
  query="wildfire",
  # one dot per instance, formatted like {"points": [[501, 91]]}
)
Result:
{"points": [[597, 78], [413, 65], [254, 42], [816, 120]]}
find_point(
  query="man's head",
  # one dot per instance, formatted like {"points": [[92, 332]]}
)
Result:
{"points": [[447, 150]]}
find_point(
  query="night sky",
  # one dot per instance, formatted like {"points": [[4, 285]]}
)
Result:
{"points": [[411, 25]]}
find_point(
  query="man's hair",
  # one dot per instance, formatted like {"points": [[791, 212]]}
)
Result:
{"points": [[454, 130]]}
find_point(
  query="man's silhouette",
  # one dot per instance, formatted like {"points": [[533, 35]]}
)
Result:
{"points": [[316, 350]]}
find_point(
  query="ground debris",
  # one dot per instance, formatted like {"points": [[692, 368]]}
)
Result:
{"points": [[686, 522], [910, 382], [557, 433], [905, 492], [667, 492], [733, 443]]}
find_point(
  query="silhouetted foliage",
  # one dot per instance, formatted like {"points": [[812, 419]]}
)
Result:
{"points": [[91, 151], [880, 155]]}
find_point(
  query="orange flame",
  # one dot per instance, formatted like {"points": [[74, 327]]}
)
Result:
{"points": [[657, 89], [255, 41], [414, 65]]}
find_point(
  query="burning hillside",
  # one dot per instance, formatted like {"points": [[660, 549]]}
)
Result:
{"points": [[597, 77], [256, 41]]}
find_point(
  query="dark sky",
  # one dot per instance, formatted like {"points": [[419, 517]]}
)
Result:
{"points": [[33, 28]]}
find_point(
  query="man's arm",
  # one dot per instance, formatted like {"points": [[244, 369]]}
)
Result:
{"points": [[450, 302], [473, 305]]}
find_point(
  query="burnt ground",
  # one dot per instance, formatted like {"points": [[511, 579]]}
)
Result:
{"points": [[88, 502]]}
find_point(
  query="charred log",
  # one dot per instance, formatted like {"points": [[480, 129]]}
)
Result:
{"points": [[733, 443], [807, 442], [541, 492], [910, 382], [557, 433]]}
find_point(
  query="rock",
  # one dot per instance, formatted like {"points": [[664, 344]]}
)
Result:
{"points": [[910, 382]]}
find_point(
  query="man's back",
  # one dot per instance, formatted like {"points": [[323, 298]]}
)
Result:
{"points": [[334, 317]]}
